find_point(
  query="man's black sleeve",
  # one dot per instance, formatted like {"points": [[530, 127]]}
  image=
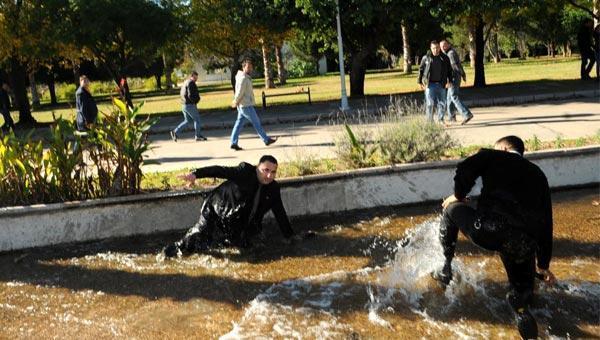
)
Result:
{"points": [[421, 70], [468, 171], [281, 215], [544, 254], [449, 71], [227, 172]]}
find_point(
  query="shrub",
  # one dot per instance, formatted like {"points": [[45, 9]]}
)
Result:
{"points": [[66, 92], [50, 171], [299, 68], [302, 163], [355, 150], [413, 139]]}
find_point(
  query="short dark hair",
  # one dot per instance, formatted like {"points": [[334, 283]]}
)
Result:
{"points": [[248, 61], [514, 143], [434, 42], [194, 73], [267, 158]]}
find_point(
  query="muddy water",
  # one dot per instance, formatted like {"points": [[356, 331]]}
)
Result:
{"points": [[352, 280]]}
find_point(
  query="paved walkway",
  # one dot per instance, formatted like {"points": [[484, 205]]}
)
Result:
{"points": [[571, 118]]}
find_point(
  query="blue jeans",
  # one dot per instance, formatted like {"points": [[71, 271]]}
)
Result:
{"points": [[190, 113], [452, 98], [247, 113], [435, 94]]}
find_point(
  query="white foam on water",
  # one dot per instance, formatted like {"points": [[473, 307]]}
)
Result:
{"points": [[408, 276], [297, 309]]}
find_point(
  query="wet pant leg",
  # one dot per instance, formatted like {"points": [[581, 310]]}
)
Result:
{"points": [[200, 236], [518, 257]]}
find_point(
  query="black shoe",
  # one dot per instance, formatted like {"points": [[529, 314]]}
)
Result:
{"points": [[172, 250], [525, 321], [270, 141], [445, 275], [466, 120], [236, 147], [200, 138], [173, 136]]}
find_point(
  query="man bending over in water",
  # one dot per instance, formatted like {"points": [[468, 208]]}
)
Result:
{"points": [[513, 217]]}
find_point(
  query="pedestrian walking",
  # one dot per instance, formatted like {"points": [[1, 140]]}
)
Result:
{"points": [[584, 41], [244, 102], [453, 91], [87, 110], [189, 101], [435, 76], [9, 124]]}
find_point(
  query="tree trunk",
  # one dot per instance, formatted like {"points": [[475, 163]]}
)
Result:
{"points": [[479, 51], [235, 66], [19, 86], [281, 72], [472, 51], [267, 66], [357, 74], [407, 67], [493, 47], [51, 88], [522, 46], [35, 95], [168, 71]]}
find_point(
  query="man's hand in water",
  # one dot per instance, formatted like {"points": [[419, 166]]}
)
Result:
{"points": [[548, 277], [190, 179]]}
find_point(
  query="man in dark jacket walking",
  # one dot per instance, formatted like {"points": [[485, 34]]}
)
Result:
{"points": [[189, 101], [87, 111], [513, 217], [5, 108], [435, 76], [233, 212], [585, 44]]}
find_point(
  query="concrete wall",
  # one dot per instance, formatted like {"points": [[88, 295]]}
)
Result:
{"points": [[32, 226]]}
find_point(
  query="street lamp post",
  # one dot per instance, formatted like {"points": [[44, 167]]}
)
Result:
{"points": [[344, 103]]}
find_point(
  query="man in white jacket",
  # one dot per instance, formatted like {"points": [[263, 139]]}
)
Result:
{"points": [[244, 102]]}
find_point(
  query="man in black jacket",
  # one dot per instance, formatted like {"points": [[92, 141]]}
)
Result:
{"points": [[190, 97], [232, 213], [513, 217], [435, 76], [87, 110], [5, 108]]}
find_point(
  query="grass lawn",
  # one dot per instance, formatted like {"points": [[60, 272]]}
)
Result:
{"points": [[549, 71]]}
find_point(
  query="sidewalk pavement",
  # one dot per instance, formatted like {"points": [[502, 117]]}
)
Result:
{"points": [[297, 141], [298, 113]]}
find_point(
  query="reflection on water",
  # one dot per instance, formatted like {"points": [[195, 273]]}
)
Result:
{"points": [[358, 279]]}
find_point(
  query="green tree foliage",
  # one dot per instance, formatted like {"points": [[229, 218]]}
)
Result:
{"points": [[119, 32]]}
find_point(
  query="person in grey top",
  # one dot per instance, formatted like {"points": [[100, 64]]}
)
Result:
{"points": [[189, 101], [452, 94]]}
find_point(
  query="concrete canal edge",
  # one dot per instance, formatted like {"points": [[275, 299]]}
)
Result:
{"points": [[50, 224]]}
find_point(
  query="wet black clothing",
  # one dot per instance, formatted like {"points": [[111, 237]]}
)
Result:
{"points": [[586, 49], [87, 111], [5, 110], [233, 212], [513, 188]]}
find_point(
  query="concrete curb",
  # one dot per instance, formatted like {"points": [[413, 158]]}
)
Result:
{"points": [[302, 118], [43, 225]]}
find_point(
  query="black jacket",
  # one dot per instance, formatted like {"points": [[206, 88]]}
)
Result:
{"points": [[87, 111], [232, 201], [425, 68], [514, 188], [189, 92]]}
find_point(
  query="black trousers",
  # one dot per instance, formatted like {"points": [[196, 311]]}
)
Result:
{"points": [[492, 232], [212, 231], [588, 58], [8, 121]]}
